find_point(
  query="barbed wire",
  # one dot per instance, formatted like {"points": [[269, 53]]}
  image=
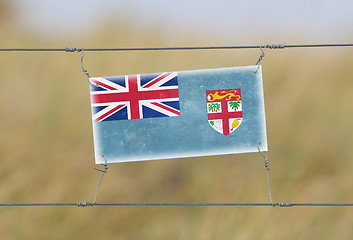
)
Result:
{"points": [[269, 46]]}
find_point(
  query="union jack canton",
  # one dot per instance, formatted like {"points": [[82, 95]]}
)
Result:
{"points": [[135, 97]]}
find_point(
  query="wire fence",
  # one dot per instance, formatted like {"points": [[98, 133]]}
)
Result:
{"points": [[262, 47]]}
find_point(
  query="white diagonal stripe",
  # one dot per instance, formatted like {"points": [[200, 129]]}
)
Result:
{"points": [[110, 84], [158, 84], [104, 111]]}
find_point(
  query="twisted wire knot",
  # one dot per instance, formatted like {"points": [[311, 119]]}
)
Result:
{"points": [[267, 164], [276, 46], [68, 49], [84, 204], [86, 72], [273, 46], [283, 204]]}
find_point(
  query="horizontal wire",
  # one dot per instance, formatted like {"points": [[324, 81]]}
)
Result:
{"points": [[86, 204], [35, 204], [272, 46]]}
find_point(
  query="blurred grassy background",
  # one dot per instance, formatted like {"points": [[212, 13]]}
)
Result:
{"points": [[46, 145]]}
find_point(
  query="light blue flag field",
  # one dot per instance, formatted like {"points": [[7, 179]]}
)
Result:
{"points": [[178, 114]]}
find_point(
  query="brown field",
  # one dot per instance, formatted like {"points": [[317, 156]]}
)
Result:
{"points": [[46, 146]]}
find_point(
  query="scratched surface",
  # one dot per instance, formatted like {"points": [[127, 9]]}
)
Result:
{"points": [[189, 134]]}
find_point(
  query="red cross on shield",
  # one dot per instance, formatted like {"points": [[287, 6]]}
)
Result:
{"points": [[224, 109]]}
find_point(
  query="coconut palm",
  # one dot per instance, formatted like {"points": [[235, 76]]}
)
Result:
{"points": [[234, 105]]}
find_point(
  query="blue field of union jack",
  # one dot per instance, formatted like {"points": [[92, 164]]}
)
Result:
{"points": [[135, 97]]}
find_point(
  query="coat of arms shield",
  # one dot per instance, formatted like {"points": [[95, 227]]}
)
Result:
{"points": [[224, 109]]}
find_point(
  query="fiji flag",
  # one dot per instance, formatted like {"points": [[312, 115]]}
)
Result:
{"points": [[178, 114]]}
